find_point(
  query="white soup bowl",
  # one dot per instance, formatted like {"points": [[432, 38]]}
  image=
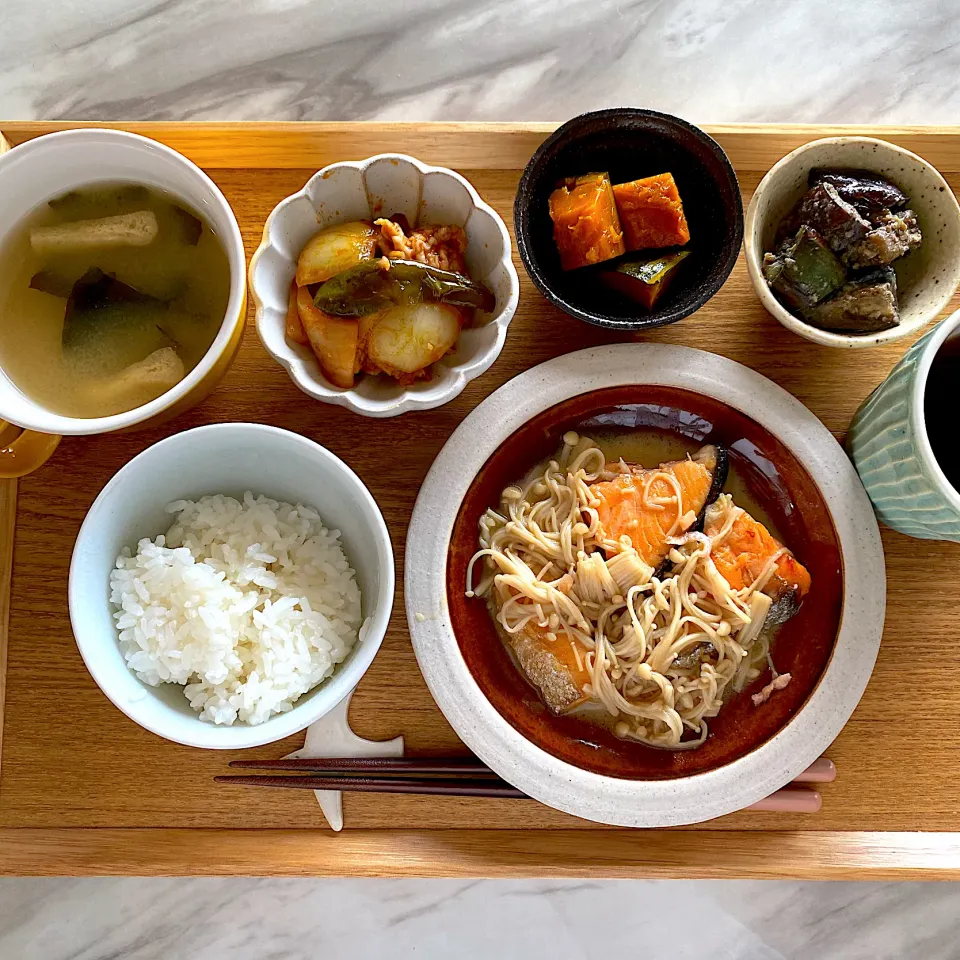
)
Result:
{"points": [[39, 170]]}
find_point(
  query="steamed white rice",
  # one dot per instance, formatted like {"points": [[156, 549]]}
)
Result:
{"points": [[248, 605]]}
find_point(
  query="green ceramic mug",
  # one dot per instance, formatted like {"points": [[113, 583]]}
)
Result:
{"points": [[891, 450]]}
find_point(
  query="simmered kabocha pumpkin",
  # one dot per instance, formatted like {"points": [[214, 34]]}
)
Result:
{"points": [[645, 281], [651, 213], [586, 228]]}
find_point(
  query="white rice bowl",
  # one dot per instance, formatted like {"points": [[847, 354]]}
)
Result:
{"points": [[247, 605]]}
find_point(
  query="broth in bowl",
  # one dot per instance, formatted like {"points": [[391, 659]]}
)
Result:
{"points": [[702, 597], [109, 295]]}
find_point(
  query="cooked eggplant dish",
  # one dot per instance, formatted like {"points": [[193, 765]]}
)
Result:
{"points": [[832, 266], [596, 222], [382, 298]]}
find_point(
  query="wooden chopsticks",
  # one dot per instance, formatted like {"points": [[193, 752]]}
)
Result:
{"points": [[442, 776], [435, 787], [459, 777], [455, 766], [820, 771]]}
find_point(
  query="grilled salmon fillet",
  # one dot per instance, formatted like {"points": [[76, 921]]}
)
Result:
{"points": [[742, 556], [647, 520], [552, 667]]}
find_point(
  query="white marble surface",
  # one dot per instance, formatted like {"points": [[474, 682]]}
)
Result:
{"points": [[248, 919], [865, 61], [835, 61]]}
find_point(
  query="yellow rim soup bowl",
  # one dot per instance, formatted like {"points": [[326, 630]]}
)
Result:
{"points": [[49, 166]]}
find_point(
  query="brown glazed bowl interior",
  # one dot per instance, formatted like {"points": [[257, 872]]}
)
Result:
{"points": [[774, 478]]}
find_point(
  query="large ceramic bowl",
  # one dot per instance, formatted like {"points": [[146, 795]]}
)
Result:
{"points": [[629, 143], [364, 190], [926, 279], [227, 458], [792, 466]]}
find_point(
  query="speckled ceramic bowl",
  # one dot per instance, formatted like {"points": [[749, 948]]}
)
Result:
{"points": [[630, 784], [926, 278], [364, 190], [892, 453]]}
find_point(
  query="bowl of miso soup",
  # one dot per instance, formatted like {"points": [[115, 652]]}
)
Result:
{"points": [[121, 282]]}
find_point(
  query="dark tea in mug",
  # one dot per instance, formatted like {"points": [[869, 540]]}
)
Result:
{"points": [[940, 408]]}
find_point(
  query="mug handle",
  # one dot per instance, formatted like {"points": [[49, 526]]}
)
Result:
{"points": [[23, 451]]}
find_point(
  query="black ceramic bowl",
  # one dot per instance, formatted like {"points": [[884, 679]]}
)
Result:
{"points": [[629, 143]]}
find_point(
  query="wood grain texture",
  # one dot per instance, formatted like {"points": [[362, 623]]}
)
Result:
{"points": [[87, 766], [492, 853], [465, 146], [8, 520]]}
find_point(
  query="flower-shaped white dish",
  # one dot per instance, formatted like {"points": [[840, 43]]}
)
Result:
{"points": [[364, 190]]}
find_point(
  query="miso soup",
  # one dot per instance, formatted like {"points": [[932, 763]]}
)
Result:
{"points": [[109, 296]]}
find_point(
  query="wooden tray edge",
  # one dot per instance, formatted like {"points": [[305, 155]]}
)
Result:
{"points": [[709, 854], [465, 146]]}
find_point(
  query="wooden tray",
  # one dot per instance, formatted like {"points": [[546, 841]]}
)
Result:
{"points": [[83, 790]]}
